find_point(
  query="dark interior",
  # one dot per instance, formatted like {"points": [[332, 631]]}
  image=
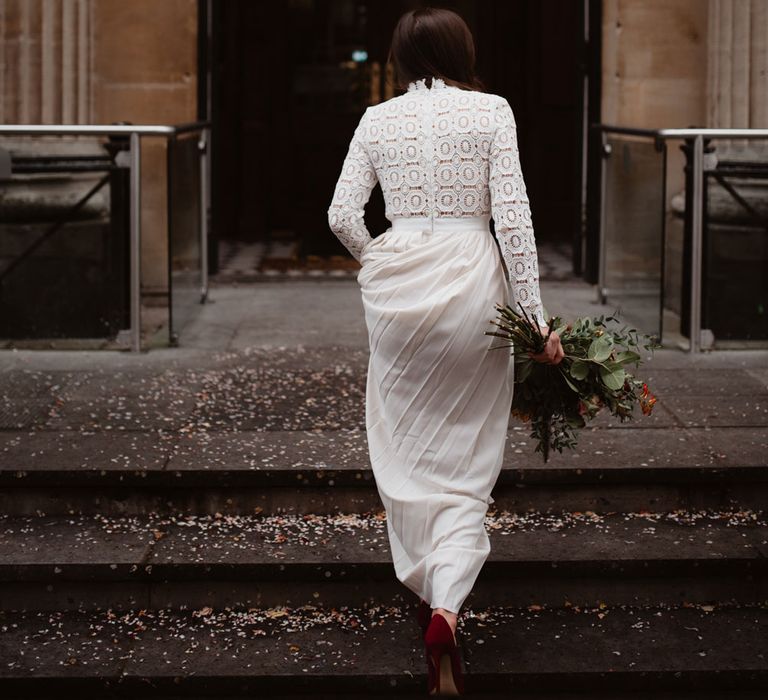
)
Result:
{"points": [[287, 93]]}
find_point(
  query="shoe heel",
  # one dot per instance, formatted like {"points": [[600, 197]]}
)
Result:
{"points": [[442, 666], [445, 677]]}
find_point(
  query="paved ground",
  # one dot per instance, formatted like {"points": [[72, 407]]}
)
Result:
{"points": [[312, 312], [268, 356]]}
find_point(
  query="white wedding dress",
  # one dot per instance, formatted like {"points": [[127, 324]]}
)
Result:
{"points": [[437, 399]]}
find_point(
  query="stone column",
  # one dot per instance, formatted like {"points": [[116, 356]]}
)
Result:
{"points": [[758, 108], [44, 69], [45, 79], [737, 97], [737, 69]]}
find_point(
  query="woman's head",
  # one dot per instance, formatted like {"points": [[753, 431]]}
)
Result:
{"points": [[433, 41]]}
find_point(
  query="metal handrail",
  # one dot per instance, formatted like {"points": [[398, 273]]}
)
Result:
{"points": [[686, 133], [102, 129], [697, 173], [135, 132]]}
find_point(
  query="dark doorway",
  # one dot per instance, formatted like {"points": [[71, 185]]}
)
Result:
{"points": [[291, 79]]}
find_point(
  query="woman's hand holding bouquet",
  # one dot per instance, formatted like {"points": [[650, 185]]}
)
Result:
{"points": [[553, 351]]}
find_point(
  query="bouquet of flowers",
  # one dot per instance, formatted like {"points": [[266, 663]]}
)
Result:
{"points": [[557, 400]]}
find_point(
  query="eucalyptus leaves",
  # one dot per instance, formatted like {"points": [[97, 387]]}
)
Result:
{"points": [[559, 399]]}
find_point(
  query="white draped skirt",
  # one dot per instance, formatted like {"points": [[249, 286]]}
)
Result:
{"points": [[437, 400]]}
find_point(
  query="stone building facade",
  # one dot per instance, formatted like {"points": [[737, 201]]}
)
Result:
{"points": [[102, 62], [664, 63], [685, 63], [681, 63]]}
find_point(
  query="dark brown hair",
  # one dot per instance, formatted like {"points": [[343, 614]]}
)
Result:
{"points": [[433, 41]]}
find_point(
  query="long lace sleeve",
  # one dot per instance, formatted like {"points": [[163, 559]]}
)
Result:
{"points": [[511, 214], [346, 214]]}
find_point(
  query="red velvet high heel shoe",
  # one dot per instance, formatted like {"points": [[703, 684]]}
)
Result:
{"points": [[445, 675]]}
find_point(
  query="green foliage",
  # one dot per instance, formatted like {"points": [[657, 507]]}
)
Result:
{"points": [[558, 400]]}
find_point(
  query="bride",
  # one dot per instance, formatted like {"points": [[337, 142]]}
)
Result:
{"points": [[437, 401]]}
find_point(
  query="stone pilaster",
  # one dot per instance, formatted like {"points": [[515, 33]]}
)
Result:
{"points": [[44, 61], [737, 72]]}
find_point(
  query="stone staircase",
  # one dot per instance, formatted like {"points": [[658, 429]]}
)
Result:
{"points": [[191, 529]]}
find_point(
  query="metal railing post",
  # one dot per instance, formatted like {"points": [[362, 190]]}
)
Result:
{"points": [[605, 153], [205, 160], [135, 242], [697, 174]]}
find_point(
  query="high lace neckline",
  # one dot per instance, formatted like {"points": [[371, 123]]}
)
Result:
{"points": [[421, 84]]}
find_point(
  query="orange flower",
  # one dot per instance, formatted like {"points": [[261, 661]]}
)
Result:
{"points": [[647, 402]]}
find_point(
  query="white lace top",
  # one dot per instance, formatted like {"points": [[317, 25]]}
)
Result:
{"points": [[441, 151]]}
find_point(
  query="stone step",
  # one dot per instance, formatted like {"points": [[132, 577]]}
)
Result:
{"points": [[63, 562], [326, 471], [683, 694], [278, 651], [315, 387]]}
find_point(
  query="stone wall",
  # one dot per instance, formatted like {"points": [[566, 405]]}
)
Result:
{"points": [[680, 63], [144, 70], [654, 68], [654, 62], [654, 76], [104, 61]]}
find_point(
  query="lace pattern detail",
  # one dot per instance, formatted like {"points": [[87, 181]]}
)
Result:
{"points": [[511, 214], [346, 215], [441, 151]]}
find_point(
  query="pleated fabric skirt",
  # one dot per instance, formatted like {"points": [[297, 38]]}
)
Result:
{"points": [[437, 400]]}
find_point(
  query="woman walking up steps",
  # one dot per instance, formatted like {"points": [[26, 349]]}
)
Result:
{"points": [[437, 401]]}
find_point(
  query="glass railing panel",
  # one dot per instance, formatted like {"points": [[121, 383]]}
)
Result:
{"points": [[633, 230], [64, 266], [184, 232], [734, 305]]}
